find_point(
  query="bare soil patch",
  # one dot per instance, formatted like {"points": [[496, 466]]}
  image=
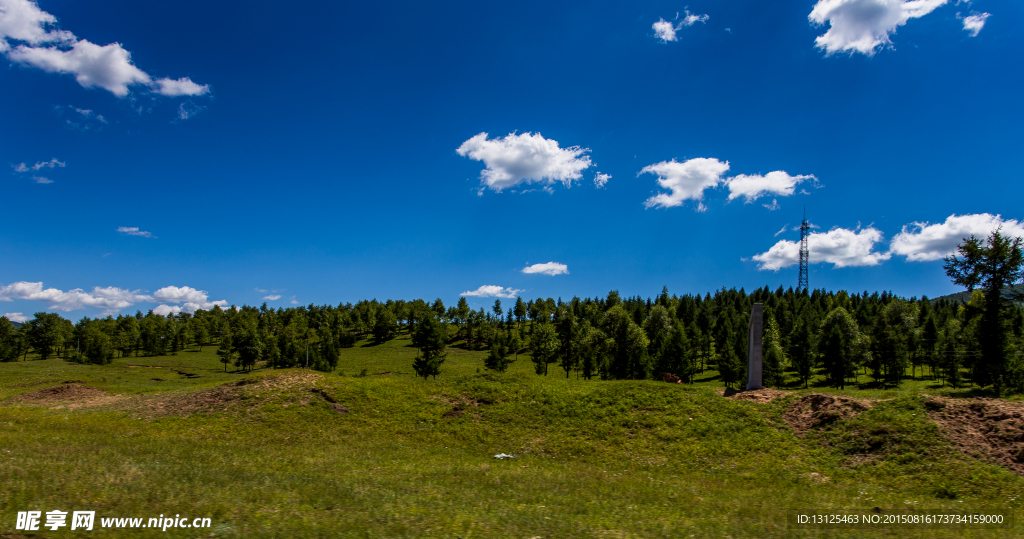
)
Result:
{"points": [[989, 429], [72, 395], [815, 410], [757, 395], [242, 395]]}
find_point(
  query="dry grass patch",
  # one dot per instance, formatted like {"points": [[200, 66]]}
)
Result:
{"points": [[988, 429]]}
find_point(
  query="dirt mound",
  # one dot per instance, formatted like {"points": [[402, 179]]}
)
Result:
{"points": [[814, 410], [988, 429], [244, 394], [756, 395], [70, 395]]}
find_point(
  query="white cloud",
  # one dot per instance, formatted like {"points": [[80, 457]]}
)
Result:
{"points": [[492, 291], [666, 31], [22, 20], [110, 299], [528, 158], [753, 186], [16, 317], [840, 247], [22, 167], [922, 242], [273, 297], [601, 179], [974, 23], [550, 268], [773, 206], [134, 231], [864, 25], [191, 299], [686, 180], [94, 66], [179, 87], [41, 179]]}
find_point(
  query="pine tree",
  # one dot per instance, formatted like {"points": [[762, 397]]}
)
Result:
{"points": [[431, 338], [773, 358]]}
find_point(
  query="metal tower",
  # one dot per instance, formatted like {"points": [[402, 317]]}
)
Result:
{"points": [[805, 230]]}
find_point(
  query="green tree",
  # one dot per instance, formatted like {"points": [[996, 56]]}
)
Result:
{"points": [[226, 351], [46, 333], [498, 359], [520, 311], [431, 338], [992, 264], [677, 357], [841, 345], [801, 350], [543, 347], [773, 358], [386, 326]]}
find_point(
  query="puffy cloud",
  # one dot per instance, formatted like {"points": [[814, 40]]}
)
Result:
{"points": [[864, 25], [840, 247], [134, 231], [923, 242], [16, 317], [191, 300], [108, 66], [549, 268], [94, 66], [179, 87], [22, 20], [686, 180], [110, 299], [601, 179], [753, 186], [41, 179], [974, 23], [273, 297], [666, 31], [528, 158], [492, 291]]}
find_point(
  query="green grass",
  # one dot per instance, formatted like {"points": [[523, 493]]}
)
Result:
{"points": [[595, 459]]}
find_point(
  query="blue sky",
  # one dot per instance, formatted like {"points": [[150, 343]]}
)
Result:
{"points": [[169, 156]]}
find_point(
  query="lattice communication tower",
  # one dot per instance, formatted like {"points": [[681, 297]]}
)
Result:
{"points": [[805, 230]]}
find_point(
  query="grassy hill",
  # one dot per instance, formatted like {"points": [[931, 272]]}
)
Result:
{"points": [[372, 451]]}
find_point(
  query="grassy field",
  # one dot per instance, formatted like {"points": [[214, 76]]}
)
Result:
{"points": [[294, 453]]}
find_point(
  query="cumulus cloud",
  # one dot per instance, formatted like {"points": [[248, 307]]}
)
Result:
{"points": [[601, 179], [134, 231], [666, 31], [58, 51], [753, 186], [686, 180], [923, 242], [864, 25], [840, 247], [549, 268], [492, 291], [974, 23], [524, 158], [273, 297], [16, 317], [110, 299], [191, 299]]}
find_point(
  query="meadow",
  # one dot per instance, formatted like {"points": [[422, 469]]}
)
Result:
{"points": [[369, 450]]}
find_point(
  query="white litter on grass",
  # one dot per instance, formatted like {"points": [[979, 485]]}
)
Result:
{"points": [[504, 456]]}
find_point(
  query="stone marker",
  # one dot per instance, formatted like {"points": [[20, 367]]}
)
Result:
{"points": [[754, 335]]}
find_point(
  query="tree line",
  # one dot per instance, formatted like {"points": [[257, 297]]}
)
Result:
{"points": [[834, 335]]}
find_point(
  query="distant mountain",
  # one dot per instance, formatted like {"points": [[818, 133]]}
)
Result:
{"points": [[16, 324], [965, 296]]}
